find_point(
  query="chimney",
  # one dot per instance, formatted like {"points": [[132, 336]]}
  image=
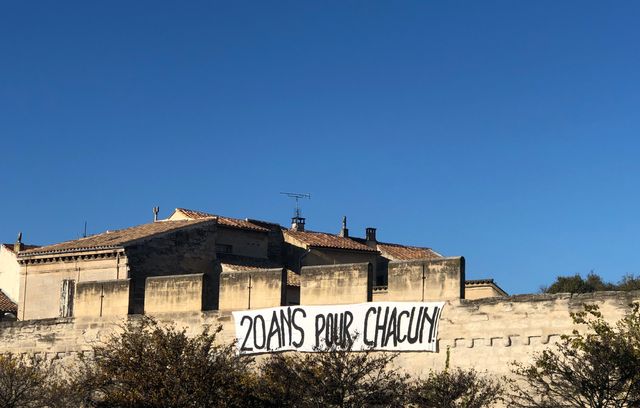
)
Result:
{"points": [[297, 223], [371, 237], [344, 232], [156, 210], [18, 246]]}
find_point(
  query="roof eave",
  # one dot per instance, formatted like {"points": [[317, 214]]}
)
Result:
{"points": [[368, 251]]}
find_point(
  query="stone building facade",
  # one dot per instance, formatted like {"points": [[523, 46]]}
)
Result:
{"points": [[10, 268], [195, 268], [234, 264]]}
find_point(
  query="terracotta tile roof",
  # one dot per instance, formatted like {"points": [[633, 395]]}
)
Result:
{"points": [[244, 263], [226, 221], [478, 282], [324, 240], [489, 282], [24, 247], [6, 304], [403, 252], [114, 239]]}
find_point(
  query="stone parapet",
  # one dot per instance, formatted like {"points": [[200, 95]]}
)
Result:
{"points": [[486, 334], [426, 279], [252, 289], [102, 298], [336, 284], [174, 294]]}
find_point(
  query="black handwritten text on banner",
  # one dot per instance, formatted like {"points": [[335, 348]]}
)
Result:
{"points": [[397, 326]]}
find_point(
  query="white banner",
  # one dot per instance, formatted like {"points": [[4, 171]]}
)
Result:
{"points": [[393, 326]]}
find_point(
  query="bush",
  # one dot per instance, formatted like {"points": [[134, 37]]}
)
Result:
{"points": [[332, 378], [593, 283], [456, 388], [149, 365], [33, 382]]}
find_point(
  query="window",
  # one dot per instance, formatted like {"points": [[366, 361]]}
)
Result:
{"points": [[223, 249], [66, 297]]}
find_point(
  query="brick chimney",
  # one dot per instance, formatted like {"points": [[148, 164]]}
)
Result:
{"points": [[344, 231], [18, 246], [297, 223], [371, 237]]}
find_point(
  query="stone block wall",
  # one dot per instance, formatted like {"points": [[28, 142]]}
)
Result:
{"points": [[41, 278], [253, 289], [102, 298], [485, 334], [426, 279], [188, 250], [174, 294], [336, 284]]}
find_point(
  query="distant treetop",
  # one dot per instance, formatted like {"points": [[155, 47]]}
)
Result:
{"points": [[593, 283]]}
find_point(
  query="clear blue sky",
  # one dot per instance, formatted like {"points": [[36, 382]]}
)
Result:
{"points": [[503, 131]]}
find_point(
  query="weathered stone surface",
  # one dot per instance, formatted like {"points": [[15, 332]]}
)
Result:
{"points": [[252, 289], [485, 334], [336, 284], [102, 298], [426, 279], [174, 294]]}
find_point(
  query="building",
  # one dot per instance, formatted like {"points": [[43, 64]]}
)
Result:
{"points": [[194, 269], [482, 288], [199, 261], [113, 266], [8, 308], [10, 268]]}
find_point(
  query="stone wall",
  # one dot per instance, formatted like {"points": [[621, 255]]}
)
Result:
{"points": [[336, 284], [187, 251], [485, 334], [426, 279], [9, 273], [102, 298], [174, 294], [253, 289], [242, 242], [479, 291], [41, 278]]}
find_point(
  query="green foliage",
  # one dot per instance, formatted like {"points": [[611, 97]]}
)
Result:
{"points": [[149, 365], [456, 389], [597, 367], [332, 378], [629, 282], [592, 283]]}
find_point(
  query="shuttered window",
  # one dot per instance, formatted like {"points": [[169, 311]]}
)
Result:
{"points": [[66, 297]]}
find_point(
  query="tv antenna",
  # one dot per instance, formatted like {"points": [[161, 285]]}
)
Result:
{"points": [[297, 196]]}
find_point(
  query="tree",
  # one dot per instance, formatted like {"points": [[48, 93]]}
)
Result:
{"points": [[21, 384], [332, 378], [576, 284], [456, 388], [149, 365], [27, 382], [629, 282], [599, 368], [592, 283]]}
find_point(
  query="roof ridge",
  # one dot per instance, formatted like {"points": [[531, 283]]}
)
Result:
{"points": [[226, 221], [61, 247], [404, 246], [327, 240]]}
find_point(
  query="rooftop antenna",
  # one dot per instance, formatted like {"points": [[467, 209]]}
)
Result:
{"points": [[297, 222], [84, 234], [297, 196]]}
